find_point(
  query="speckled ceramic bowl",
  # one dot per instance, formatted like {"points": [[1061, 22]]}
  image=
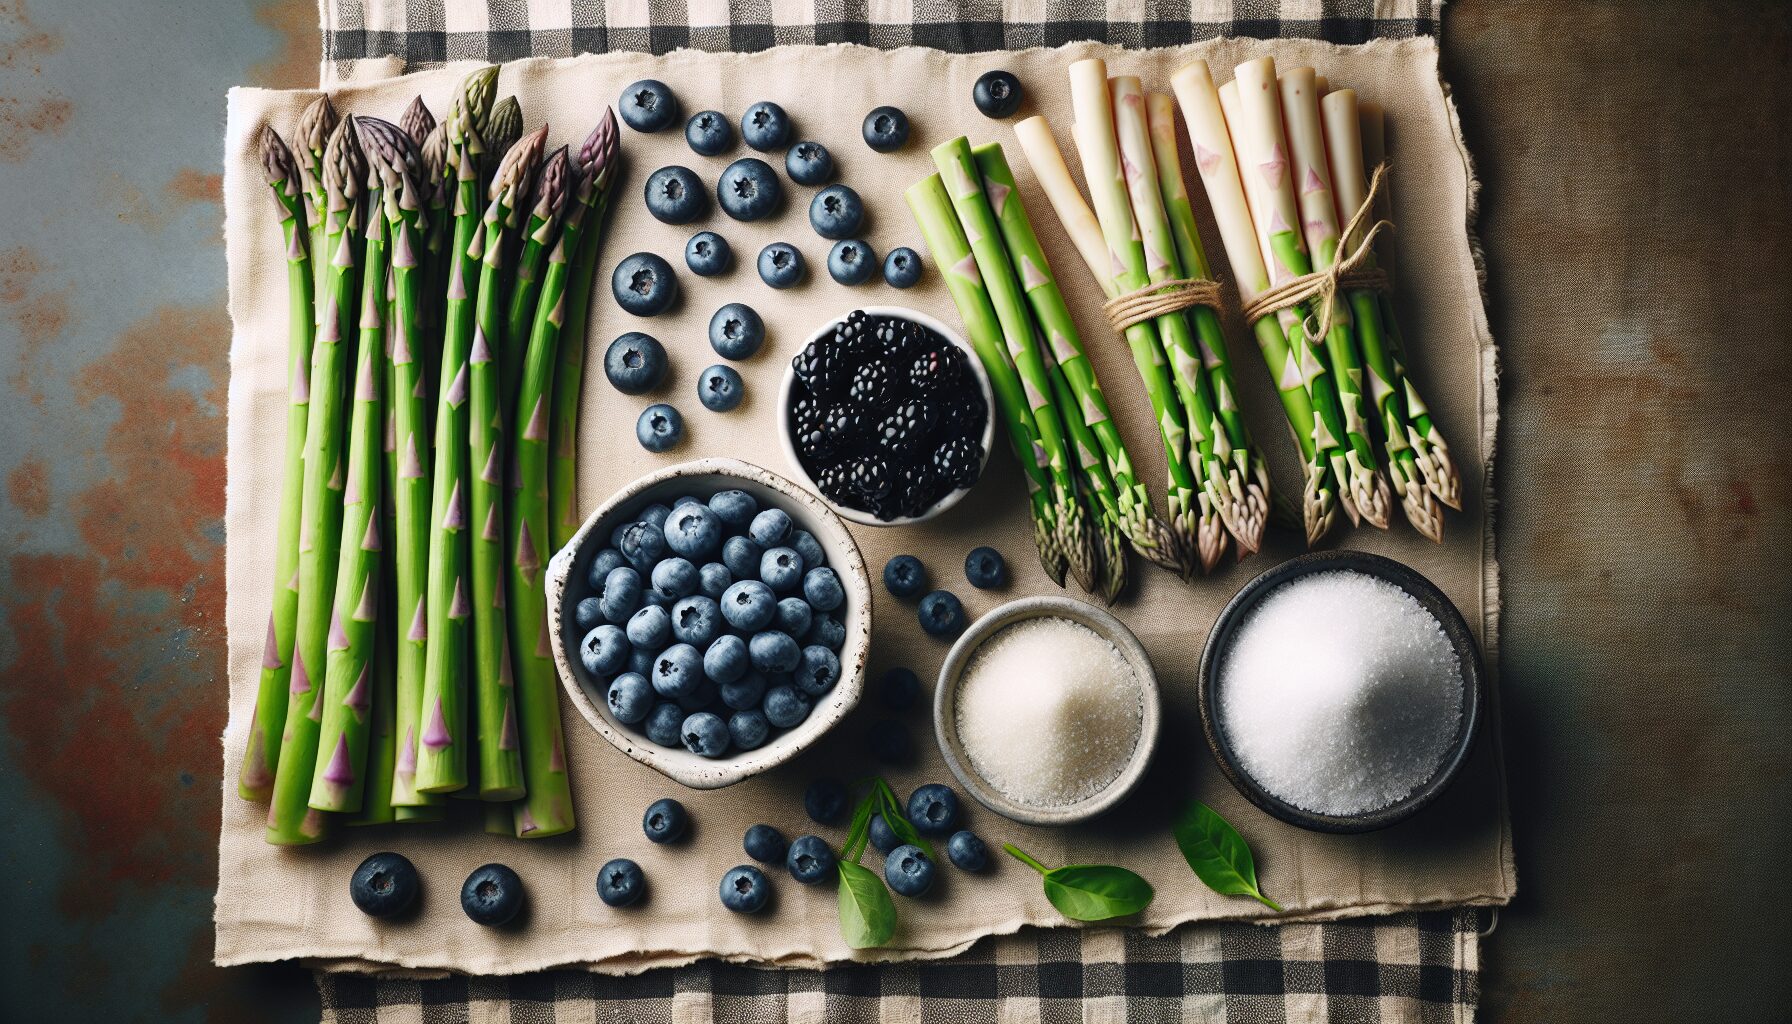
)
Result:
{"points": [[945, 710], [566, 585]]}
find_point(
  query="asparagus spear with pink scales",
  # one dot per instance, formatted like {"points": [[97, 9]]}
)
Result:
{"points": [[339, 774], [500, 759], [443, 728], [546, 808], [317, 122], [290, 820], [262, 756], [538, 236], [601, 153]]}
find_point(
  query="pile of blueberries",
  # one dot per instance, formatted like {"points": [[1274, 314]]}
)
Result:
{"points": [[713, 624]]}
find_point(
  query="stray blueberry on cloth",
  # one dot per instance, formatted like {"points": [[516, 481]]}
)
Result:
{"points": [[883, 837], [933, 810], [941, 614], [708, 133], [675, 195], [643, 284], [492, 895], [997, 94], [825, 801], [620, 883], [665, 821], [765, 844], [909, 871], [749, 190], [385, 885], [781, 265], [904, 576], [836, 212], [967, 851], [720, 388], [648, 106], [660, 427], [736, 331], [810, 859], [851, 262], [765, 126], [635, 363], [708, 254], [985, 569], [886, 129], [902, 267], [745, 889], [809, 163]]}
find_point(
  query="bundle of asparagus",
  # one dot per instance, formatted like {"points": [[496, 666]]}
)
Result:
{"points": [[407, 642], [1140, 240]]}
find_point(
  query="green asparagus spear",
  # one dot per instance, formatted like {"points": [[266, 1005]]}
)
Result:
{"points": [[317, 122], [543, 226], [443, 729], [290, 820], [417, 122], [502, 130]]}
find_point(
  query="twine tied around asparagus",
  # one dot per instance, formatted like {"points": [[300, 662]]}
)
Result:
{"points": [[1155, 300], [1348, 271]]}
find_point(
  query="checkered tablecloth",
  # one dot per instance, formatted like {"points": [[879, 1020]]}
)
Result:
{"points": [[1416, 967]]}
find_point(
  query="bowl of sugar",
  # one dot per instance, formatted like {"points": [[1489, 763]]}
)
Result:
{"points": [[1340, 691], [1047, 711]]}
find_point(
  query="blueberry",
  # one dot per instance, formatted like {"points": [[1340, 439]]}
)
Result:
{"points": [[851, 262], [648, 106], [720, 388], [819, 670], [836, 212], [941, 614], [886, 129], [726, 659], [674, 578], [713, 579], [663, 723], [890, 742], [620, 883], [621, 594], [765, 126], [810, 859], [659, 428], [741, 556], [825, 801], [635, 363], [809, 163], [898, 689], [708, 254], [696, 620], [694, 532], [607, 559], [385, 885], [748, 605], [781, 569], [786, 706], [643, 544], [904, 576], [793, 616], [656, 514], [492, 895], [617, 534], [705, 735], [749, 190], [967, 851], [643, 284], [700, 698], [827, 631], [745, 692], [765, 844], [780, 265], [675, 195], [883, 837], [587, 613], [665, 821], [772, 651], [734, 507], [630, 698], [604, 651], [996, 94], [749, 728], [686, 499], [656, 600], [822, 589], [985, 568], [709, 133], [745, 889], [902, 267], [909, 871], [770, 528], [649, 627], [806, 545], [735, 331], [933, 810], [677, 671], [640, 661]]}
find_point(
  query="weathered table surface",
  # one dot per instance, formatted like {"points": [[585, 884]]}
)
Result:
{"points": [[1635, 165]]}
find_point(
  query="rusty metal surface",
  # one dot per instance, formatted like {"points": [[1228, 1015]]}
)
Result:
{"points": [[1635, 160]]}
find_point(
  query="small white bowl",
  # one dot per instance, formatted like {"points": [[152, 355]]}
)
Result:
{"points": [[788, 443], [945, 717], [704, 476]]}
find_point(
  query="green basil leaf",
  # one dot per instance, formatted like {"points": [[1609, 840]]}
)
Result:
{"points": [[867, 916], [859, 832], [1096, 892], [1218, 854], [897, 818]]}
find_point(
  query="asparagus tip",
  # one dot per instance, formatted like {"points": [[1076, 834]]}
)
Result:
{"points": [[417, 121]]}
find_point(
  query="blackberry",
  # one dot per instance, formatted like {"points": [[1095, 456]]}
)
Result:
{"points": [[935, 370], [907, 424], [831, 481], [958, 461], [808, 422], [917, 492], [870, 385], [821, 369], [898, 340], [963, 418], [870, 478], [845, 427]]}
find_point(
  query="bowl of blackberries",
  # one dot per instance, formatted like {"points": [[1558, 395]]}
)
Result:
{"points": [[886, 415], [711, 620]]}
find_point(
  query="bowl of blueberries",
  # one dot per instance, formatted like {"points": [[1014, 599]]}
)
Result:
{"points": [[886, 414], [711, 620]]}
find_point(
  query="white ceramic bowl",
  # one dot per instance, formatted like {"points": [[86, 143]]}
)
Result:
{"points": [[788, 385], [566, 585], [945, 712]]}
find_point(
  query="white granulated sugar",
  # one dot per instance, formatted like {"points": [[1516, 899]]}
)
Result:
{"points": [[1049, 712], [1340, 693]]}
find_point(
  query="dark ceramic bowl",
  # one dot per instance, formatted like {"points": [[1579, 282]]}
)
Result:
{"points": [[1219, 643]]}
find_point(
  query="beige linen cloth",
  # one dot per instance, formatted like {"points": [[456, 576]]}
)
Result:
{"points": [[285, 903]]}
